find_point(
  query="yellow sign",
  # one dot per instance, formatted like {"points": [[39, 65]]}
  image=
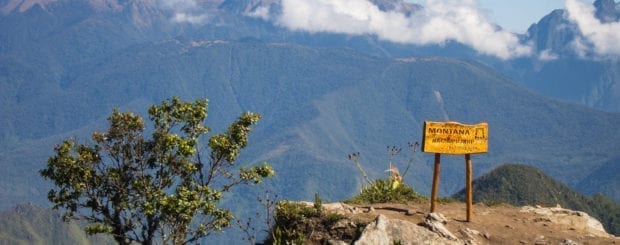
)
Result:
{"points": [[455, 138]]}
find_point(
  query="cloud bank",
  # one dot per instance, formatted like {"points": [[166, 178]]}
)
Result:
{"points": [[185, 11], [602, 39], [437, 23]]}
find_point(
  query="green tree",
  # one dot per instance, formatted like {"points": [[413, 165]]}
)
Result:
{"points": [[157, 189]]}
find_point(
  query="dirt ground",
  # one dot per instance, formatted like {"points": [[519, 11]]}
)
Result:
{"points": [[497, 224]]}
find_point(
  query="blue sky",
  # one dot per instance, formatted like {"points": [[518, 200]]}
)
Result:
{"points": [[517, 16]]}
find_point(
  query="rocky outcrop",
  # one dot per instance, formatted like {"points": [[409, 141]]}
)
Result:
{"points": [[409, 224], [576, 220], [435, 222], [390, 231], [385, 230]]}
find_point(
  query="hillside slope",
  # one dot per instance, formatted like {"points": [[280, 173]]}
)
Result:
{"points": [[520, 185], [318, 105], [31, 224]]}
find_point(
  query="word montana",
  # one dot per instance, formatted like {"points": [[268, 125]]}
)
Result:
{"points": [[448, 131]]}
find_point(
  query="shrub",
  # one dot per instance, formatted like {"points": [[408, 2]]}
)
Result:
{"points": [[384, 191], [295, 223]]}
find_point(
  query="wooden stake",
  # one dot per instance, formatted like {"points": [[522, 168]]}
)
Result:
{"points": [[435, 182], [468, 185]]}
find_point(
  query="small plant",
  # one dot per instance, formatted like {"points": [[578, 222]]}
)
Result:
{"points": [[248, 230], [287, 236], [290, 222], [445, 200], [382, 191], [393, 151], [354, 157], [318, 204], [413, 147], [331, 219], [297, 222], [494, 203], [269, 203], [391, 189]]}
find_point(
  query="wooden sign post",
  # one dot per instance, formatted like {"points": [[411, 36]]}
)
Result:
{"points": [[455, 138]]}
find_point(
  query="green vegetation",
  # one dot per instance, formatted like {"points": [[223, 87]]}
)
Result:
{"points": [[389, 190], [519, 185], [296, 222], [446, 200], [383, 191], [292, 220], [161, 188]]}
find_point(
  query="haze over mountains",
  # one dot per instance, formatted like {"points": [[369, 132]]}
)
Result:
{"points": [[323, 92]]}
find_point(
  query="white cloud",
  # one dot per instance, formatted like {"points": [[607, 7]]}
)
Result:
{"points": [[179, 4], [437, 23], [260, 12], [185, 11], [602, 39], [547, 55], [190, 18]]}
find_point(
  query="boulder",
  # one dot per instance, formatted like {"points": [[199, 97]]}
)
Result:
{"points": [[435, 222], [388, 231], [575, 220]]}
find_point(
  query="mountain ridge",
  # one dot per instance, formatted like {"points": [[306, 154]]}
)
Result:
{"points": [[31, 224], [341, 104], [519, 184]]}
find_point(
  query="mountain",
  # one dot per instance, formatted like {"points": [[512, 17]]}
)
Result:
{"points": [[319, 105], [32, 224], [567, 68], [520, 185], [64, 65]]}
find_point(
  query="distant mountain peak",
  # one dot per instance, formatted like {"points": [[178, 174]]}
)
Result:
{"points": [[397, 6], [607, 10], [19, 6], [22, 5], [560, 33]]}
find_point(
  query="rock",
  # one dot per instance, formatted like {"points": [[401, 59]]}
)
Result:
{"points": [[336, 242], [542, 219], [437, 217], [354, 210], [470, 233], [337, 207], [574, 220], [343, 224], [541, 240], [385, 231], [435, 222], [568, 242]]}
